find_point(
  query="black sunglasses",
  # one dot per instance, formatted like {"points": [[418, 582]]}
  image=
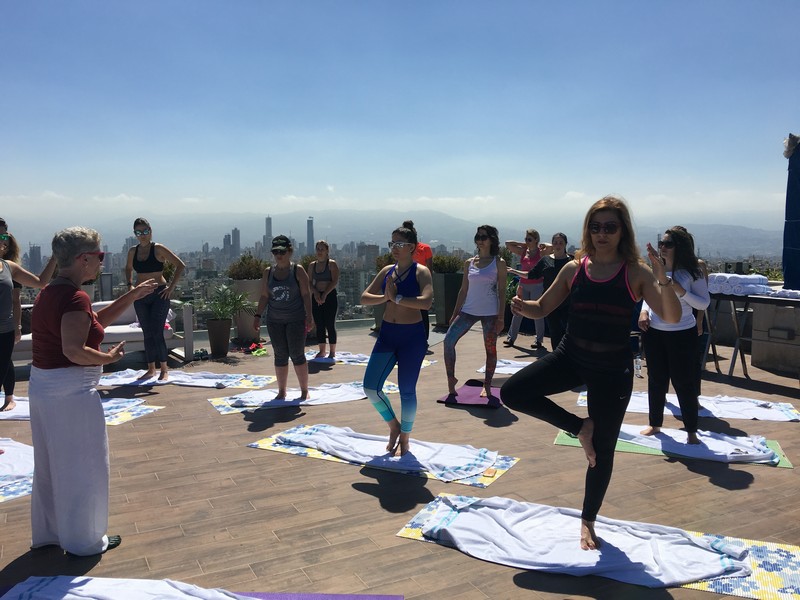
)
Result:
{"points": [[279, 252], [481, 237], [609, 227], [668, 244]]}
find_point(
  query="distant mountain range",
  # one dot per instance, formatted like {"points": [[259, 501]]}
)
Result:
{"points": [[188, 232]]}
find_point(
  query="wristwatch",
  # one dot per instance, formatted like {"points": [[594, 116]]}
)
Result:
{"points": [[398, 298]]}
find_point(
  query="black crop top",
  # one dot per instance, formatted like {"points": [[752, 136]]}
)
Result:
{"points": [[151, 265]]}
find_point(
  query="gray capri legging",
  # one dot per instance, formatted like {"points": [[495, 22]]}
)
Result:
{"points": [[288, 341]]}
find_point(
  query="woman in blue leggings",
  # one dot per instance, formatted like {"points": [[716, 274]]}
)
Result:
{"points": [[406, 289]]}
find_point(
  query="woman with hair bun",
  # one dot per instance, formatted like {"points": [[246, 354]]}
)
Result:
{"points": [[405, 288]]}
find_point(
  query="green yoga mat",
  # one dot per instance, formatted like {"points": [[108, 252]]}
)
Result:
{"points": [[565, 439]]}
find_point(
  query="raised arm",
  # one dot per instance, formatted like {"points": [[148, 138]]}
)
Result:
{"points": [[373, 294], [20, 275], [110, 313]]}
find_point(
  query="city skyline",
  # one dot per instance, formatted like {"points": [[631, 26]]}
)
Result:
{"points": [[487, 111]]}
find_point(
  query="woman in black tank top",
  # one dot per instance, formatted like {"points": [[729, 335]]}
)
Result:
{"points": [[147, 259], [604, 284]]}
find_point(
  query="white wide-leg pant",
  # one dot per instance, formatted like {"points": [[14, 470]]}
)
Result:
{"points": [[69, 506]]}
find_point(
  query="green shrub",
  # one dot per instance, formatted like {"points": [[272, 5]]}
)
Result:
{"points": [[447, 263], [247, 266]]}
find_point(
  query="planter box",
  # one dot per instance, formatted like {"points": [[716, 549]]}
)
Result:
{"points": [[244, 320], [776, 338], [445, 293]]}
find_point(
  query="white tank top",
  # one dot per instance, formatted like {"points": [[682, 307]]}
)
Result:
{"points": [[481, 298]]}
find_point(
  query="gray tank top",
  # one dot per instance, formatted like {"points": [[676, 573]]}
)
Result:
{"points": [[6, 303], [285, 301]]}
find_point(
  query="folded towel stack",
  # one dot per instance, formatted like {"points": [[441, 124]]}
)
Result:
{"points": [[737, 285]]}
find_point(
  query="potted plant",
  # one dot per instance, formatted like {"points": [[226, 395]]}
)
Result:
{"points": [[446, 285], [378, 309], [246, 272], [224, 304]]}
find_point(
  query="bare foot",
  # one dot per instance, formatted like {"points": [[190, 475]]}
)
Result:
{"points": [[451, 385], [148, 374], [304, 395], [693, 438], [164, 376], [281, 395], [320, 354], [394, 433], [650, 430], [589, 541], [9, 404], [585, 438], [332, 355], [402, 445]]}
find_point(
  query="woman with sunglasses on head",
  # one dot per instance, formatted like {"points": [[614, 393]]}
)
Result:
{"points": [[547, 269], [671, 348], [11, 277], [406, 289], [286, 296], [482, 297], [604, 284], [529, 288], [147, 259], [69, 506]]}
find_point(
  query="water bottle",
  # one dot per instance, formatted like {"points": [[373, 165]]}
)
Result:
{"points": [[637, 366]]}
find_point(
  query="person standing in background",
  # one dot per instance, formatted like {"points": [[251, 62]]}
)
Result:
{"points": [[423, 255]]}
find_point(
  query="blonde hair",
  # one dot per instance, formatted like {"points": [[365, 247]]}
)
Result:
{"points": [[627, 242]]}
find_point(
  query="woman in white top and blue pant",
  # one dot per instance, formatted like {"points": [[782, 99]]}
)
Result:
{"points": [[670, 348]]}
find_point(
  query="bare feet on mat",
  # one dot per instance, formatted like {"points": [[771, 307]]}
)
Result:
{"points": [[320, 354], [589, 540], [394, 433], [303, 394], [9, 404], [281, 395], [164, 376], [148, 374], [403, 444], [486, 391], [451, 386], [650, 430], [585, 438], [692, 438]]}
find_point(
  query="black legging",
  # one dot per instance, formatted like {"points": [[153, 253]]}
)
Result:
{"points": [[609, 391], [671, 355], [7, 375], [325, 318]]}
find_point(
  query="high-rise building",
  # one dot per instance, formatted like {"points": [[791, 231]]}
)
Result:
{"points": [[226, 245], [236, 243], [310, 235], [34, 258], [268, 231]]}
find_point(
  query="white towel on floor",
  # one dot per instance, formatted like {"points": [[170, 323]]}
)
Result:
{"points": [[545, 538], [507, 367], [66, 587], [723, 407], [447, 462], [326, 393], [16, 462], [111, 406], [21, 412], [202, 379], [715, 446]]}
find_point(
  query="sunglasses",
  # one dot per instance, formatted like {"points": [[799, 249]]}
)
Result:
{"points": [[481, 237], [609, 227], [4, 237], [141, 232], [279, 252], [399, 245], [668, 244], [100, 255]]}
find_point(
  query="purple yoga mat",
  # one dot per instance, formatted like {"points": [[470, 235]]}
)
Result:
{"points": [[270, 596], [469, 394]]}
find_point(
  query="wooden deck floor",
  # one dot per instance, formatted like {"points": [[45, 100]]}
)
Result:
{"points": [[193, 503]]}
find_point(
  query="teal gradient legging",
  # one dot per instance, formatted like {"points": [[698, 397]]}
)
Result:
{"points": [[404, 346], [461, 325]]}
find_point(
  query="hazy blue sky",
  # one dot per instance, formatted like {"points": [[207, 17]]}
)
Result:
{"points": [[473, 108]]}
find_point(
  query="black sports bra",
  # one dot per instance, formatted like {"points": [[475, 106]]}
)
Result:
{"points": [[151, 265]]}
